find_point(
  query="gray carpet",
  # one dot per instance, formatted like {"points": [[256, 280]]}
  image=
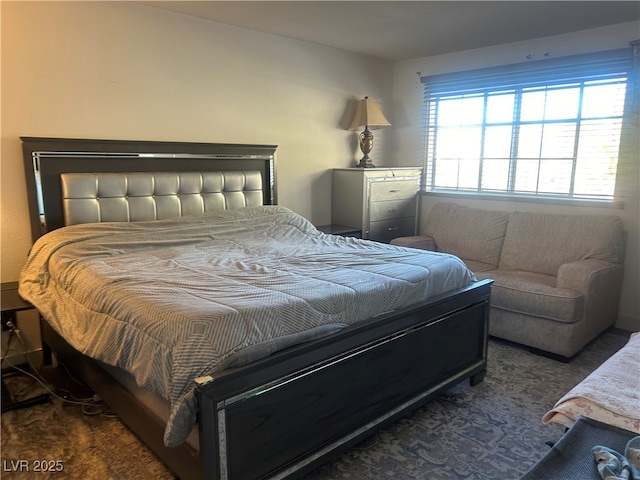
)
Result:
{"points": [[488, 432]]}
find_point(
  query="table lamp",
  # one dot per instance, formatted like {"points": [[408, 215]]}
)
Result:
{"points": [[367, 115]]}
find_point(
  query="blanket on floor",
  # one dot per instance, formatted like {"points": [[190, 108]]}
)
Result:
{"points": [[610, 394]]}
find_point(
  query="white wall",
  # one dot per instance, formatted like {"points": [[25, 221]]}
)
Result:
{"points": [[120, 70], [407, 140]]}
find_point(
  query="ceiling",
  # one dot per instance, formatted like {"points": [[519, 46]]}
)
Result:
{"points": [[400, 30]]}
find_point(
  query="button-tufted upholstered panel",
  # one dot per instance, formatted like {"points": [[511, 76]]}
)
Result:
{"points": [[139, 196]]}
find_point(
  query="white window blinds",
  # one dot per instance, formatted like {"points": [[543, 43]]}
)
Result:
{"points": [[546, 128]]}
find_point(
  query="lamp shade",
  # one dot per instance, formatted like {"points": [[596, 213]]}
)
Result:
{"points": [[368, 114]]}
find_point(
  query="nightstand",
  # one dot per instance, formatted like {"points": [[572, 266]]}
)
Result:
{"points": [[340, 230], [380, 202], [11, 303]]}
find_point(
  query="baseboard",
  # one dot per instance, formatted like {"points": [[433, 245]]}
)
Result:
{"points": [[19, 361], [20, 358], [627, 322], [620, 332]]}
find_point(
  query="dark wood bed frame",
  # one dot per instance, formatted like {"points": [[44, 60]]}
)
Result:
{"points": [[282, 416]]}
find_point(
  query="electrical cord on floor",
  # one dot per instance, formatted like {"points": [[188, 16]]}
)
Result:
{"points": [[90, 406], [8, 343]]}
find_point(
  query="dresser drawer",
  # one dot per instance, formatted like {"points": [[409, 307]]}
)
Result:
{"points": [[381, 191], [386, 230], [391, 209]]}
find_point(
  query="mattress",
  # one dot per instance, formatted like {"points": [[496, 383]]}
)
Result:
{"points": [[172, 300]]}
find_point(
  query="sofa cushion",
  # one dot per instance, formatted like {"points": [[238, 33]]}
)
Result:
{"points": [[533, 294], [478, 266], [542, 242], [468, 233]]}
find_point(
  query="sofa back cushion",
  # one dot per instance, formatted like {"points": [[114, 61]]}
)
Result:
{"points": [[468, 233], [540, 243]]}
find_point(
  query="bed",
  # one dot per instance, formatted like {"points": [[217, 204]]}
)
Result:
{"points": [[340, 336]]}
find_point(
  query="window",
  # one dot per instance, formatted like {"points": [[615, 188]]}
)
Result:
{"points": [[549, 128]]}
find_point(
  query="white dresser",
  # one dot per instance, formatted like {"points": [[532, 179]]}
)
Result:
{"points": [[379, 201]]}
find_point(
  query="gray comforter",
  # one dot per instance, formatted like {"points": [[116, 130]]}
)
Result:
{"points": [[169, 301]]}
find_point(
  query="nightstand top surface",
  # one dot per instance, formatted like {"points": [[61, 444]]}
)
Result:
{"points": [[378, 168], [338, 229], [10, 301]]}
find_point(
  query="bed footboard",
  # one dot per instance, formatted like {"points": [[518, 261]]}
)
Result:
{"points": [[285, 415], [281, 417]]}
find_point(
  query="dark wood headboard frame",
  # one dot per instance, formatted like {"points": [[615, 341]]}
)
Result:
{"points": [[46, 158]]}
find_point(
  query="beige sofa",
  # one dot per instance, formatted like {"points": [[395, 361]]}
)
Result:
{"points": [[557, 278]]}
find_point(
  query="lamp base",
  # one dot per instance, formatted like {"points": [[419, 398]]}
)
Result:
{"points": [[366, 144], [365, 162]]}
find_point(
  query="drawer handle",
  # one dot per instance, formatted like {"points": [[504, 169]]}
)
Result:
{"points": [[394, 190], [391, 229], [392, 210]]}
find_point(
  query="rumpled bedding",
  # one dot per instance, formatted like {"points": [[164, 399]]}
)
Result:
{"points": [[169, 301], [609, 394]]}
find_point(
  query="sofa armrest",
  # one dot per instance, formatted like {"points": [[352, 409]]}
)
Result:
{"points": [[422, 242], [588, 276], [600, 282]]}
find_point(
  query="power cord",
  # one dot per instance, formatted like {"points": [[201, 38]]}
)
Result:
{"points": [[8, 343], [90, 406], [14, 330]]}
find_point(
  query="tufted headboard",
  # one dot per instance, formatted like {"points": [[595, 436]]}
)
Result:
{"points": [[139, 196], [78, 181]]}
